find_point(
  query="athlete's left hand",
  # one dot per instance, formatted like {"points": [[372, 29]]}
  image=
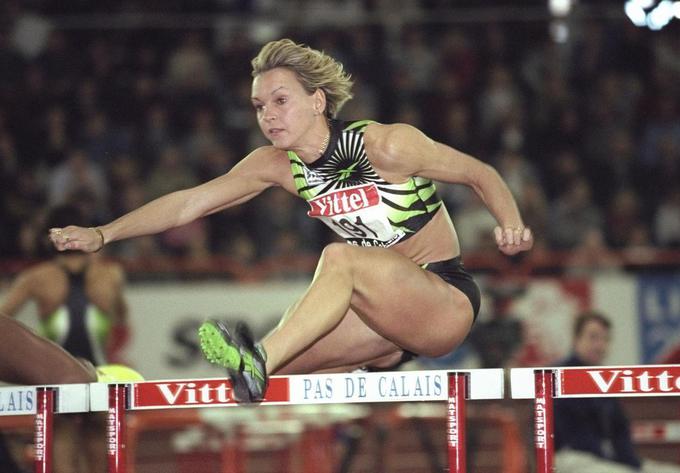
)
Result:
{"points": [[72, 237], [512, 240]]}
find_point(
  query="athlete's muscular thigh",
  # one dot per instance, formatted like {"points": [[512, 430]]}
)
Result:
{"points": [[412, 307], [349, 345]]}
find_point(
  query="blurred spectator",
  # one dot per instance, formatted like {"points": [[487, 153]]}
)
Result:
{"points": [[21, 201], [667, 220], [534, 207], [456, 128], [592, 255], [623, 214], [204, 134], [365, 102], [75, 174], [55, 136], [562, 170], [190, 66], [241, 248], [474, 226], [516, 171], [499, 98], [9, 162], [662, 130], [460, 58], [573, 215], [214, 161], [101, 141], [131, 196], [613, 166], [156, 134], [667, 51], [416, 59], [171, 173]]}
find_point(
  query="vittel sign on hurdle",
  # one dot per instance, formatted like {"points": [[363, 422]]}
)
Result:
{"points": [[652, 380], [197, 393]]}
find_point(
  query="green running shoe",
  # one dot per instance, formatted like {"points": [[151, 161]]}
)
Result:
{"points": [[243, 359]]}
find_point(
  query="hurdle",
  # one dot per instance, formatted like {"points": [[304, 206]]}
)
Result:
{"points": [[43, 402], [545, 384], [454, 387]]}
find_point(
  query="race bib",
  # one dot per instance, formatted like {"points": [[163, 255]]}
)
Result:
{"points": [[355, 214]]}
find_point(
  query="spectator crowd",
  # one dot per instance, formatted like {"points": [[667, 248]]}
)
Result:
{"points": [[586, 131]]}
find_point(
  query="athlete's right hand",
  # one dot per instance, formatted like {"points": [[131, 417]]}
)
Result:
{"points": [[84, 239]]}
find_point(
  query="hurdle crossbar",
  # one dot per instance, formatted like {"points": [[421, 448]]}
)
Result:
{"points": [[454, 387], [545, 384]]}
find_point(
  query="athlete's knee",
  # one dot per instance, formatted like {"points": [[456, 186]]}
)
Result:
{"points": [[337, 256]]}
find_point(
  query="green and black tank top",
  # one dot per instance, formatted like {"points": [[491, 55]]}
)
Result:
{"points": [[344, 191], [80, 327]]}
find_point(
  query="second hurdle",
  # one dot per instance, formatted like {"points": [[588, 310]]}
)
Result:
{"points": [[545, 384]]}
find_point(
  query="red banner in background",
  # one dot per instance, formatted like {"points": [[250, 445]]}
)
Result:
{"points": [[546, 310]]}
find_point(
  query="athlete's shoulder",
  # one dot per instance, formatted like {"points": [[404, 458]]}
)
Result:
{"points": [[265, 163], [265, 156], [376, 130], [39, 275], [265, 152], [386, 143], [354, 125], [41, 270]]}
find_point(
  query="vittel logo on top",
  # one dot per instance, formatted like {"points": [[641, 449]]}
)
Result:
{"points": [[629, 381], [344, 201], [200, 392], [639, 380], [192, 393]]}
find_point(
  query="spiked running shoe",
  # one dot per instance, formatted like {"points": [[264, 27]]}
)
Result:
{"points": [[242, 358]]}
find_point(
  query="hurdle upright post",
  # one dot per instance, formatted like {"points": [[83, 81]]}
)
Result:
{"points": [[115, 429], [543, 420], [458, 382], [44, 426]]}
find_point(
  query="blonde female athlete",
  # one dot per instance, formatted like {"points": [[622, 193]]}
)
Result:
{"points": [[399, 288]]}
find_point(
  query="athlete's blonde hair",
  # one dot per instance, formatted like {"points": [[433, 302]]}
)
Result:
{"points": [[314, 69]]}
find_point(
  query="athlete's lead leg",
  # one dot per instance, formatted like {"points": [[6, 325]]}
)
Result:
{"points": [[413, 308]]}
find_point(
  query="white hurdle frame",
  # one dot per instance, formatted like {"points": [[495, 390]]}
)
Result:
{"points": [[455, 387], [547, 383], [44, 402]]}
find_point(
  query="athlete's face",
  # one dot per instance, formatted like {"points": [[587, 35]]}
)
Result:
{"points": [[285, 110], [592, 344]]}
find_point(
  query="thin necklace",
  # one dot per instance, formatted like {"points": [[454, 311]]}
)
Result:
{"points": [[324, 145]]}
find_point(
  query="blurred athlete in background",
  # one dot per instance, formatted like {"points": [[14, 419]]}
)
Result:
{"points": [[82, 311]]}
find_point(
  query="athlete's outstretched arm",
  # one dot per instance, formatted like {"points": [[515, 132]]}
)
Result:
{"points": [[405, 151], [255, 173]]}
